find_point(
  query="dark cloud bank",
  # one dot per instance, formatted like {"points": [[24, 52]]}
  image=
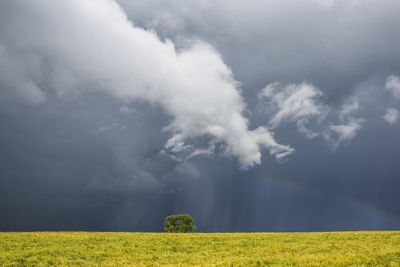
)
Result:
{"points": [[273, 116]]}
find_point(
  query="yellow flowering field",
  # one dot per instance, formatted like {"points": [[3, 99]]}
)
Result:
{"points": [[200, 249]]}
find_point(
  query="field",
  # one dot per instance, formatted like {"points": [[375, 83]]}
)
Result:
{"points": [[230, 249]]}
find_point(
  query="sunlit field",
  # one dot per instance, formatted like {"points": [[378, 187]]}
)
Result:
{"points": [[201, 249]]}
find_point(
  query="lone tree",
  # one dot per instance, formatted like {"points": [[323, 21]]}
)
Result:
{"points": [[179, 223]]}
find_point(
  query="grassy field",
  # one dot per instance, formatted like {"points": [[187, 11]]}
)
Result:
{"points": [[236, 249]]}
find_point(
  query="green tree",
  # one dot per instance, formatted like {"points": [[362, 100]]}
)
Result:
{"points": [[179, 223]]}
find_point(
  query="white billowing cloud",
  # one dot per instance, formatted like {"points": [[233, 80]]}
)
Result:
{"points": [[303, 104], [343, 132], [297, 103], [348, 109], [391, 115], [393, 86], [347, 128], [92, 46]]}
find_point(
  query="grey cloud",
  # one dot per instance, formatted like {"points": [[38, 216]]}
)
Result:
{"points": [[15, 83], [343, 132], [348, 126], [391, 115], [108, 127], [393, 86]]}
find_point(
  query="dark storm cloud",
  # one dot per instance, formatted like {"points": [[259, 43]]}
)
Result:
{"points": [[76, 157], [56, 164]]}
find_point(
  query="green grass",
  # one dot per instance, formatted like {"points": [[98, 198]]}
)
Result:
{"points": [[230, 249]]}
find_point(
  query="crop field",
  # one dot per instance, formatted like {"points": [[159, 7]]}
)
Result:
{"points": [[200, 249]]}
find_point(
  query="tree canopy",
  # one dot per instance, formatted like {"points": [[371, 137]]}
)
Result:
{"points": [[179, 223]]}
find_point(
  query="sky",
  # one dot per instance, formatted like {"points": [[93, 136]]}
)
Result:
{"points": [[249, 115]]}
